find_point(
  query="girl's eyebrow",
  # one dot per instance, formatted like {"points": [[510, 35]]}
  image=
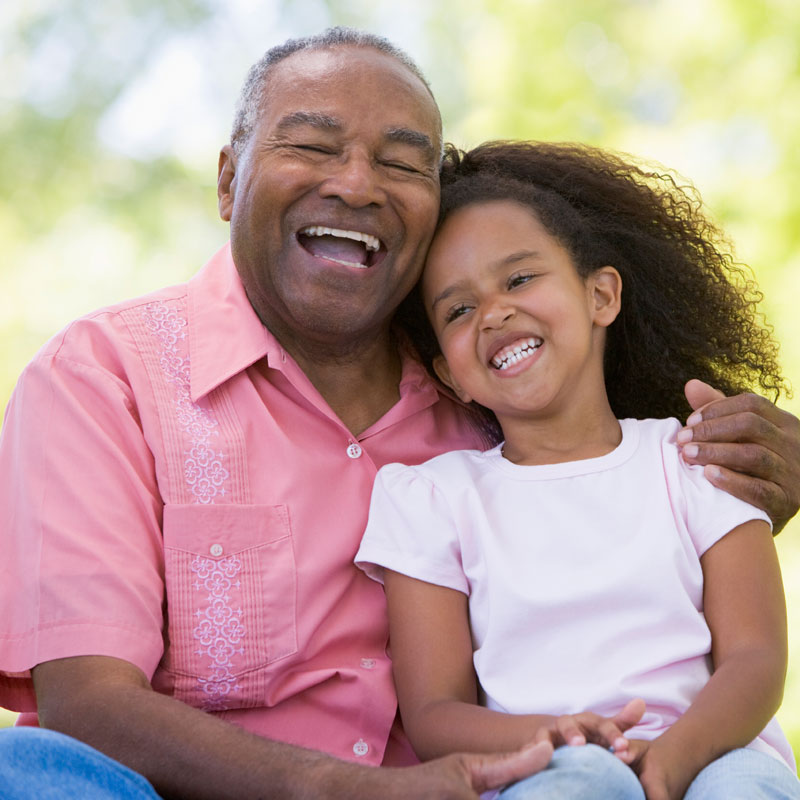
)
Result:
{"points": [[511, 258], [446, 292]]}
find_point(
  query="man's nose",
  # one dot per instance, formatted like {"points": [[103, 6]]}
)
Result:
{"points": [[355, 180]]}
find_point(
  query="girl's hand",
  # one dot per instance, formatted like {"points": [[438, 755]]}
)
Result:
{"points": [[659, 769], [578, 729]]}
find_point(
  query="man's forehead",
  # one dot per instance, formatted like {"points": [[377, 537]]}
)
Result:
{"points": [[319, 88], [319, 61], [326, 66]]}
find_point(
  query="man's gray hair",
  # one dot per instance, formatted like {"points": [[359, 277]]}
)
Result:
{"points": [[251, 98]]}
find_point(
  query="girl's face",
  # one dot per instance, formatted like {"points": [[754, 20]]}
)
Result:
{"points": [[521, 332]]}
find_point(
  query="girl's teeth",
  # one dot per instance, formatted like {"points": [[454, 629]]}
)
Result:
{"points": [[515, 354]]}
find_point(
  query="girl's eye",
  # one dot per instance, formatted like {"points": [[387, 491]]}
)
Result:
{"points": [[456, 312], [518, 280]]}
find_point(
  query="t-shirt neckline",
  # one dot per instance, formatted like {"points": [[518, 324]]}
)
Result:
{"points": [[621, 453]]}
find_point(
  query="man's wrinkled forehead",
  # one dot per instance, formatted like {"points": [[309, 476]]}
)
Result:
{"points": [[327, 122], [311, 66]]}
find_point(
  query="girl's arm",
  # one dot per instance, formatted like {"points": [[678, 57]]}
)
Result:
{"points": [[431, 649], [746, 612]]}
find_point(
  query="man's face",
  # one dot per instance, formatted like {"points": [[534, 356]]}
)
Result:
{"points": [[333, 200]]}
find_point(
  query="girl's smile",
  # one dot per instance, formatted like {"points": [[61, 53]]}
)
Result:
{"points": [[506, 357]]}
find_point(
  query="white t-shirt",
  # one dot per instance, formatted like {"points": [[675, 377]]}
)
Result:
{"points": [[584, 580]]}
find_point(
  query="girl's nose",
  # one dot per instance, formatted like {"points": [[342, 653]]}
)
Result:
{"points": [[495, 313]]}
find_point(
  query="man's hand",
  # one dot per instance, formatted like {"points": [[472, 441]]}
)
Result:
{"points": [[109, 704], [750, 448], [460, 776], [578, 729]]}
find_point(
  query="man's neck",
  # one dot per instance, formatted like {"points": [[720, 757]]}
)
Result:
{"points": [[359, 381]]}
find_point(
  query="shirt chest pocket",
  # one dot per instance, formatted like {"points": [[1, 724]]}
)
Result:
{"points": [[231, 600]]}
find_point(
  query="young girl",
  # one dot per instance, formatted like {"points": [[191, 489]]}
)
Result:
{"points": [[581, 564]]}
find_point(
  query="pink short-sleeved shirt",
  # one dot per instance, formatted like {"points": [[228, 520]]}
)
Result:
{"points": [[167, 450]]}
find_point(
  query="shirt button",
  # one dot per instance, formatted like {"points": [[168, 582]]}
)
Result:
{"points": [[215, 549], [354, 450], [368, 663], [361, 748]]}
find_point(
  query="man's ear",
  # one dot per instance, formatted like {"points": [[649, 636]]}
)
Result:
{"points": [[442, 370], [605, 285], [226, 182]]}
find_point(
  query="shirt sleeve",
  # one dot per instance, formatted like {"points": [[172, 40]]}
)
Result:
{"points": [[709, 513], [80, 517], [411, 530]]}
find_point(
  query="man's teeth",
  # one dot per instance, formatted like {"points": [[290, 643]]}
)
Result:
{"points": [[511, 355], [370, 242]]}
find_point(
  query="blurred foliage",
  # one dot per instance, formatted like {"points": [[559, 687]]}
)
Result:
{"points": [[78, 220], [107, 183]]}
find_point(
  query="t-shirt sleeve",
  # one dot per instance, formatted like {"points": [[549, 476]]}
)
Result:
{"points": [[411, 530], [709, 513], [82, 565]]}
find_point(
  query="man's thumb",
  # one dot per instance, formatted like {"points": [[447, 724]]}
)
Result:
{"points": [[496, 770], [700, 394]]}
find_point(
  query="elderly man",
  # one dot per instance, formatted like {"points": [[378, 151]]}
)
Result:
{"points": [[186, 475]]}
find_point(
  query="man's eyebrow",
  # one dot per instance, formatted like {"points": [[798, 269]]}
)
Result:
{"points": [[415, 138], [315, 119]]}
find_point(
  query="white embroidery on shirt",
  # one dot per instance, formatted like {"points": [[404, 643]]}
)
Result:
{"points": [[219, 627], [203, 466]]}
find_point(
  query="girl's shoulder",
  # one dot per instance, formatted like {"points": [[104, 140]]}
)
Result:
{"points": [[445, 468], [662, 430]]}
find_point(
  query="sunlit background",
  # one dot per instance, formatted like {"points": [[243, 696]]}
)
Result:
{"points": [[112, 114]]}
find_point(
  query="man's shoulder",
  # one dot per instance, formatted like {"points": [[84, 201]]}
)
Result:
{"points": [[114, 321], [109, 325]]}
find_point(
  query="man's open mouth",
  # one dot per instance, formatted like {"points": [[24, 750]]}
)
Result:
{"points": [[350, 248]]}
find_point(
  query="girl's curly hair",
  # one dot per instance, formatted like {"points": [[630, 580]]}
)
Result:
{"points": [[688, 309]]}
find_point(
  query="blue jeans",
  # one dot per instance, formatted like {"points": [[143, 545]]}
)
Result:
{"points": [[585, 772], [590, 772], [42, 764], [744, 775]]}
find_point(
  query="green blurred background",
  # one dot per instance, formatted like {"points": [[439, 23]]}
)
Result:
{"points": [[112, 115]]}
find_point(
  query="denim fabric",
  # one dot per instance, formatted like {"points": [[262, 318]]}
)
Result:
{"points": [[42, 764], [745, 775], [590, 772], [587, 772]]}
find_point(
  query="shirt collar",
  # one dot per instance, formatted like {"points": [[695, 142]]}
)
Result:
{"points": [[225, 334]]}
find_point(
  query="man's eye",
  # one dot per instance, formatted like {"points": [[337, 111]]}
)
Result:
{"points": [[398, 165], [313, 148]]}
